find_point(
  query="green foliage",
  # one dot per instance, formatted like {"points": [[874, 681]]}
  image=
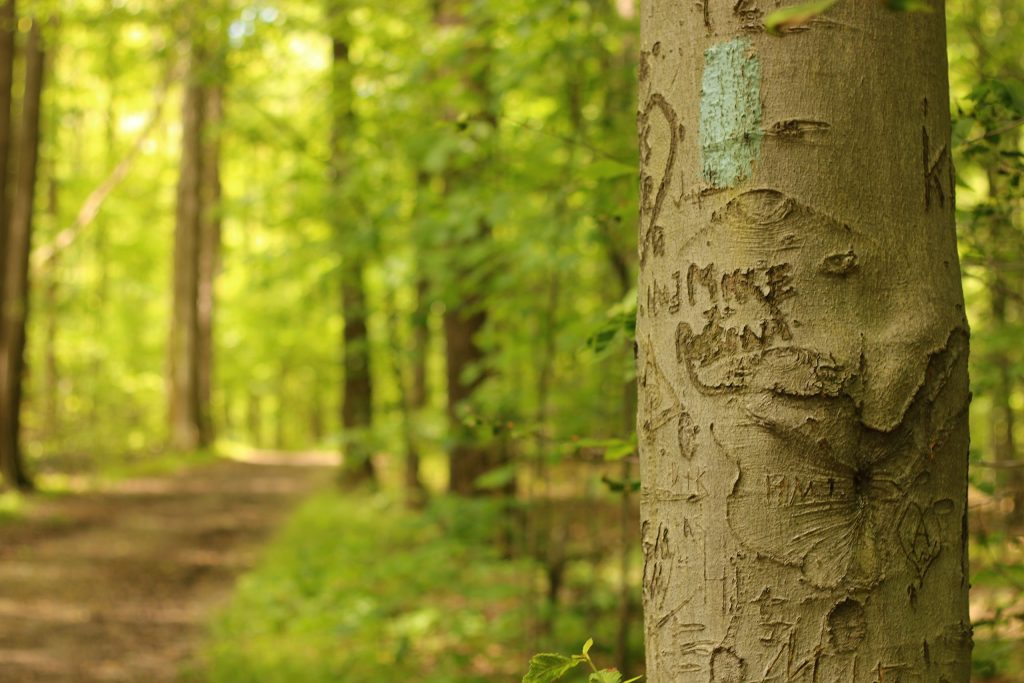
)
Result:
{"points": [[356, 588], [538, 145], [789, 18], [908, 5], [548, 667], [11, 505]]}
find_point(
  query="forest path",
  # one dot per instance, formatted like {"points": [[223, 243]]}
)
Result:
{"points": [[118, 584]]}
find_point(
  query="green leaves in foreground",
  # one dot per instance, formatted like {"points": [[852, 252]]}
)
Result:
{"points": [[549, 667], [790, 18], [794, 17], [908, 5]]}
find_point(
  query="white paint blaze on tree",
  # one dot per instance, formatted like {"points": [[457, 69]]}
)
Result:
{"points": [[802, 349]]}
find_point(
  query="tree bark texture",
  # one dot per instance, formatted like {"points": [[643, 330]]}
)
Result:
{"points": [[357, 391], [801, 349], [15, 275]]}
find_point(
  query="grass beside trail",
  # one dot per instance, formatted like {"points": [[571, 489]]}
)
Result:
{"points": [[356, 588]]}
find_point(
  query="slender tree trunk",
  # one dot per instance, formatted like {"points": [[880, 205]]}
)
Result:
{"points": [[418, 391], [196, 254], [316, 409], [357, 406], [415, 493], [184, 390], [802, 349], [1003, 417], [8, 28], [469, 459], [282, 400], [1004, 444], [16, 287], [466, 315], [357, 391], [254, 418], [51, 306], [209, 254]]}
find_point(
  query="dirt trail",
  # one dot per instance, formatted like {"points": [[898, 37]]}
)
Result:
{"points": [[117, 585]]}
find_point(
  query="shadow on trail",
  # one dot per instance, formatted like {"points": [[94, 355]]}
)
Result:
{"points": [[117, 585]]}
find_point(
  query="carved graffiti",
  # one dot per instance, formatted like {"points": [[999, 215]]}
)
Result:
{"points": [[737, 329], [847, 626], [665, 296], [919, 538], [770, 617], [727, 666], [749, 15], [659, 403], [797, 129], [937, 166], [825, 500], [657, 120]]}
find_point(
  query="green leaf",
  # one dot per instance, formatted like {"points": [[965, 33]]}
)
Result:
{"points": [[961, 129], [620, 448], [908, 5], [789, 18], [605, 676], [621, 486], [496, 478], [587, 645], [548, 667]]}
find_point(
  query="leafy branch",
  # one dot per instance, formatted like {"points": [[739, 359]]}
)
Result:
{"points": [[548, 667], [796, 16]]}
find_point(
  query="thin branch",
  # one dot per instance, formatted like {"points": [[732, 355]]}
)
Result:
{"points": [[999, 464], [565, 138], [94, 202], [992, 133]]}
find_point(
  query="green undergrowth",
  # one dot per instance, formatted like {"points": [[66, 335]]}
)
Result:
{"points": [[997, 605], [11, 505], [356, 588]]}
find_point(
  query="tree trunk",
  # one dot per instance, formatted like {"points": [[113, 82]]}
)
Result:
{"points": [[185, 410], [16, 287], [410, 394], [8, 27], [468, 459], [196, 256], [357, 396], [802, 349], [466, 315], [417, 399], [51, 302], [209, 254], [254, 418], [1004, 444]]}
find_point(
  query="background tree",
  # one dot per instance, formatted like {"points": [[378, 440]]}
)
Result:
{"points": [[15, 304], [357, 391], [196, 246]]}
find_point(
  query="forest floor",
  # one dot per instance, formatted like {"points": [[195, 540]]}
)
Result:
{"points": [[118, 584]]}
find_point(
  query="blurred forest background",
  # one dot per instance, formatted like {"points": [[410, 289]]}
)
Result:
{"points": [[403, 231]]}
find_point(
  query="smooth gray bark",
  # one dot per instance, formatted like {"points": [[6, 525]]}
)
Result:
{"points": [[802, 349]]}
